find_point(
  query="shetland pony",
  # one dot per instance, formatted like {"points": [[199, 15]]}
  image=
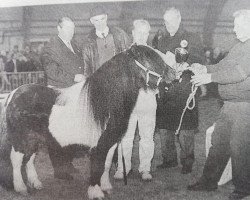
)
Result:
{"points": [[94, 114]]}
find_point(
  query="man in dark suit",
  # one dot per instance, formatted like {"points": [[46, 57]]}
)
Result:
{"points": [[61, 58], [63, 65]]}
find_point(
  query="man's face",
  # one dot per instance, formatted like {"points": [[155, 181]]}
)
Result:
{"points": [[99, 22], [66, 30], [172, 22], [27, 49], [140, 35], [15, 50], [216, 51], [241, 28]]}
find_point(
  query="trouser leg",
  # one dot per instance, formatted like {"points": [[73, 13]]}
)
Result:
{"points": [[127, 145], [146, 124], [187, 148], [219, 152], [168, 148], [240, 147]]}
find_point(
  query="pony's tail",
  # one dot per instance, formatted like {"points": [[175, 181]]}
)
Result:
{"points": [[6, 174]]}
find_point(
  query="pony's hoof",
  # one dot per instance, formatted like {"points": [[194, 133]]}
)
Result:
{"points": [[106, 186], [95, 192], [21, 189], [38, 185], [109, 191], [24, 193]]}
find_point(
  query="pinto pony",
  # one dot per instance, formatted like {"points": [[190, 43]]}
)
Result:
{"points": [[97, 117]]}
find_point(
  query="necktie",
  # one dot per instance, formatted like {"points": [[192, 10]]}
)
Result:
{"points": [[105, 42], [70, 47]]}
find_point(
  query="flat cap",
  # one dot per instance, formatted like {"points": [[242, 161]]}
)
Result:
{"points": [[98, 10]]}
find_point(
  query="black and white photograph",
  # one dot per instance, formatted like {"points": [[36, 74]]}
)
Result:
{"points": [[124, 100]]}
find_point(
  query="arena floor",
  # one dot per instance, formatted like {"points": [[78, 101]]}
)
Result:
{"points": [[167, 184]]}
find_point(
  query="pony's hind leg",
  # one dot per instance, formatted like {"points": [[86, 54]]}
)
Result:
{"points": [[32, 176], [16, 160], [105, 182]]}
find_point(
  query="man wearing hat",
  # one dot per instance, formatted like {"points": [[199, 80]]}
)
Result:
{"points": [[103, 42]]}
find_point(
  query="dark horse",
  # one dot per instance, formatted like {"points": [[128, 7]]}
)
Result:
{"points": [[97, 117]]}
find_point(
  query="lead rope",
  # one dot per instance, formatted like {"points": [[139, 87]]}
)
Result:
{"points": [[123, 166], [191, 98]]}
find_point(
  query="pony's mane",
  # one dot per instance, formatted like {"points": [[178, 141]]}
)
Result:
{"points": [[114, 82]]}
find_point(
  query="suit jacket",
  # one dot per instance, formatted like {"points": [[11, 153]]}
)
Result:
{"points": [[60, 63]]}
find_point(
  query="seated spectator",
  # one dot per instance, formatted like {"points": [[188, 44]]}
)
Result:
{"points": [[33, 61], [9, 65], [3, 77], [208, 56], [217, 55]]}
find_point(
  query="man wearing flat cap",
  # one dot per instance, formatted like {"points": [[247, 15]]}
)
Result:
{"points": [[103, 42]]}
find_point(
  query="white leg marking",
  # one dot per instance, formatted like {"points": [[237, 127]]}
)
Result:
{"points": [[16, 160], [95, 192], [32, 175], [105, 183]]}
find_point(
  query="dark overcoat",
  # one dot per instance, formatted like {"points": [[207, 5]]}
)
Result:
{"points": [[170, 104]]}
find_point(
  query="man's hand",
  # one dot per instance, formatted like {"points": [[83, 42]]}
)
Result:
{"points": [[179, 68], [197, 68], [201, 79], [79, 78]]}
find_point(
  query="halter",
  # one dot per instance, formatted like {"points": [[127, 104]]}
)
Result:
{"points": [[148, 72]]}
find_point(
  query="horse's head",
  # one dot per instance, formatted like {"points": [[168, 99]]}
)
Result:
{"points": [[152, 67]]}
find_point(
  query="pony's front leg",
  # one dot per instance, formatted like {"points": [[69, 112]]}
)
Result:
{"points": [[96, 187], [99, 178], [105, 182]]}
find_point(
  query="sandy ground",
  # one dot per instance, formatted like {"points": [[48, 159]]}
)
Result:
{"points": [[168, 184]]}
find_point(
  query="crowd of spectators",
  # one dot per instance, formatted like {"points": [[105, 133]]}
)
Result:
{"points": [[16, 60]]}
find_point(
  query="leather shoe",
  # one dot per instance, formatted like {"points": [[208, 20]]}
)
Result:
{"points": [[201, 186], [165, 165], [237, 195]]}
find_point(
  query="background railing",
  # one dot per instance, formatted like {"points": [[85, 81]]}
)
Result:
{"points": [[11, 80]]}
